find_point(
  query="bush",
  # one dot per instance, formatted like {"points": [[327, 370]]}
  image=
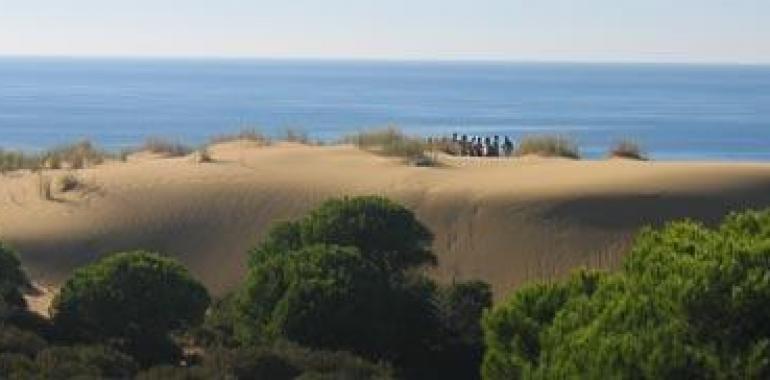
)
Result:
{"points": [[690, 302], [548, 146], [629, 150], [130, 299]]}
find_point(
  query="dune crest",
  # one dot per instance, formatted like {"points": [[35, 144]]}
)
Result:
{"points": [[503, 221]]}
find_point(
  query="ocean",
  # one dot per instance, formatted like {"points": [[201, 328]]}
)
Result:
{"points": [[681, 112]]}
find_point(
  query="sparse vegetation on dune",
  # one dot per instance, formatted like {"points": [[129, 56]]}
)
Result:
{"points": [[251, 135], [296, 136], [79, 155], [165, 147], [629, 150], [548, 146], [393, 143]]}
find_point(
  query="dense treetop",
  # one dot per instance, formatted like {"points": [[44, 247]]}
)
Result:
{"points": [[690, 302]]}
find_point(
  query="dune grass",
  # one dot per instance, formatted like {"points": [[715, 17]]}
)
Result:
{"points": [[165, 147], [393, 143], [251, 134], [629, 150], [78, 155], [296, 136], [548, 146]]}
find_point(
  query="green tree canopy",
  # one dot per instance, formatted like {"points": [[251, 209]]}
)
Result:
{"points": [[132, 299], [331, 297], [383, 231], [690, 302]]}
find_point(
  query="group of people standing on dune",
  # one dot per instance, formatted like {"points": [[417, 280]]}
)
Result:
{"points": [[476, 146]]}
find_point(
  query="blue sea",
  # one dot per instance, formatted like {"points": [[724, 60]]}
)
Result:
{"points": [[689, 112]]}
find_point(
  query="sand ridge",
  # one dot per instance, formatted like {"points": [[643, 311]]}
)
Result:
{"points": [[505, 221]]}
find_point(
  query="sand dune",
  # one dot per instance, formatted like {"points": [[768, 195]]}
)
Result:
{"points": [[503, 221]]}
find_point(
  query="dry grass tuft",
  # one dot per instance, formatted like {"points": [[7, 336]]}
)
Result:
{"points": [[393, 143], [251, 135], [44, 186], [13, 160], [202, 156], [548, 146], [75, 156], [79, 155], [296, 136], [629, 150], [165, 147]]}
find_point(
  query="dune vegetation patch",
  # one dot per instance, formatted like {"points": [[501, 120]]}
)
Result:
{"points": [[249, 134], [165, 147], [392, 142], [628, 149], [79, 155], [548, 146]]}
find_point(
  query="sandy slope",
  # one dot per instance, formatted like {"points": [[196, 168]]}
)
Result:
{"points": [[504, 221]]}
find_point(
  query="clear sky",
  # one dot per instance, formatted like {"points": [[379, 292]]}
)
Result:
{"points": [[571, 30]]}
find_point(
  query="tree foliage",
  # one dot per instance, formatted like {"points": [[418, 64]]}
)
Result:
{"points": [[343, 278], [130, 299], [330, 297], [690, 302], [12, 279], [384, 232]]}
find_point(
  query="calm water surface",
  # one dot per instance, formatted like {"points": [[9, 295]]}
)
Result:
{"points": [[675, 111]]}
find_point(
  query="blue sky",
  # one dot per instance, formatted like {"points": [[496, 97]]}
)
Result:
{"points": [[562, 30]]}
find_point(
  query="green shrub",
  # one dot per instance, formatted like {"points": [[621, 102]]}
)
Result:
{"points": [[133, 300], [628, 149], [690, 302], [548, 146]]}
